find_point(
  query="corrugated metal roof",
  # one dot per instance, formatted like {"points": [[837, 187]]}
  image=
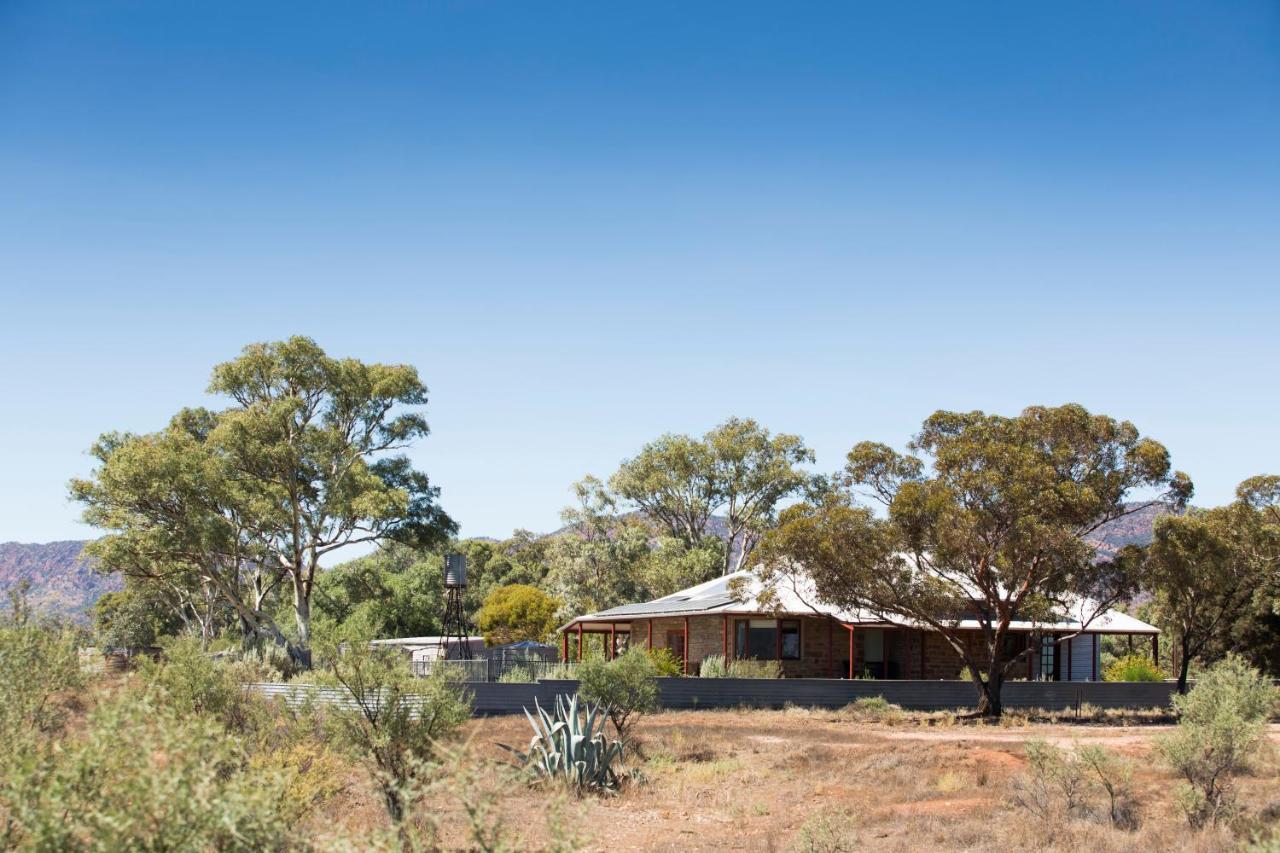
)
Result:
{"points": [[793, 594]]}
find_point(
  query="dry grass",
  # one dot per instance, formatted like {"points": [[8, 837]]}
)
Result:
{"points": [[815, 780]]}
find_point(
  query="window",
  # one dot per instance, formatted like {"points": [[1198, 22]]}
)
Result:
{"points": [[767, 639], [675, 642], [1048, 647], [790, 638]]}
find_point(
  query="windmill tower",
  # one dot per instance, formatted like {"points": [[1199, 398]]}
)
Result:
{"points": [[456, 628]]}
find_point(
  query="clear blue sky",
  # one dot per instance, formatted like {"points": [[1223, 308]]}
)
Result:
{"points": [[590, 223]]}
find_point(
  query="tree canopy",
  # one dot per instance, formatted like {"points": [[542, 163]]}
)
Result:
{"points": [[738, 470], [517, 612], [249, 499], [984, 520]]}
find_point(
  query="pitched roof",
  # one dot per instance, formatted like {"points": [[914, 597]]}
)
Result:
{"points": [[793, 594]]}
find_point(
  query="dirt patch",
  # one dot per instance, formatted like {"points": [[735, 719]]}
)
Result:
{"points": [[783, 780]]}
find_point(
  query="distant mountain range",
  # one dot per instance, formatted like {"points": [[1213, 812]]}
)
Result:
{"points": [[62, 582]]}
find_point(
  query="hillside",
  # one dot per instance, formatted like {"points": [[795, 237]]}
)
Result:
{"points": [[62, 581]]}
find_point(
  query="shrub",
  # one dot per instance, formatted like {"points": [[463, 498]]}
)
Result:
{"points": [[516, 675], [713, 666], [665, 663], [749, 668], [874, 708], [1221, 724], [143, 776], [194, 683], [1133, 667], [827, 833], [624, 687], [1061, 784], [397, 722], [39, 665]]}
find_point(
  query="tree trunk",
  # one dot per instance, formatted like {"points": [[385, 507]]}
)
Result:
{"points": [[1184, 666], [989, 703], [302, 614]]}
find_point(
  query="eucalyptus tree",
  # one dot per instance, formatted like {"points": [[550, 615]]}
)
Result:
{"points": [[738, 472], [250, 498], [1203, 585], [983, 522]]}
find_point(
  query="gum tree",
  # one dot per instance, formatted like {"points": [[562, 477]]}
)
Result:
{"points": [[738, 471], [249, 499], [984, 520]]}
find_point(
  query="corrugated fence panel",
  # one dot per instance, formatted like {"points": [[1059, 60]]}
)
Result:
{"points": [[692, 693]]}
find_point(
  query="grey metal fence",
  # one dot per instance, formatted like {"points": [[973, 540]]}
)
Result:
{"points": [[690, 693]]}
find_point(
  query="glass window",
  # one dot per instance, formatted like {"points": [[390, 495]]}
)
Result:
{"points": [[873, 645], [759, 639], [790, 639]]}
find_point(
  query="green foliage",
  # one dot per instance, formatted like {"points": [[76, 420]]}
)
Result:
{"points": [[597, 563], [516, 675], [1087, 783], [874, 709], [1221, 724], [752, 668], [665, 663], [947, 534], [737, 469], [713, 666], [569, 747], [1202, 580], [192, 683], [134, 617], [248, 499], [1134, 667], [517, 612], [623, 687], [398, 722], [143, 776], [39, 671]]}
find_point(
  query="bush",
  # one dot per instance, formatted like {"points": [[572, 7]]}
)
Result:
{"points": [[713, 667], [398, 722], [194, 683], [749, 668], [873, 708], [624, 687], [665, 663], [516, 675], [1221, 725], [1060, 784], [39, 667], [143, 776], [1133, 667], [517, 612]]}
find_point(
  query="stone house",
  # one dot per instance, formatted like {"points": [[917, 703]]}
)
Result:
{"points": [[735, 617]]}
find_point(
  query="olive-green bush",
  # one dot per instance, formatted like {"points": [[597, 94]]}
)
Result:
{"points": [[624, 687], [1221, 725]]}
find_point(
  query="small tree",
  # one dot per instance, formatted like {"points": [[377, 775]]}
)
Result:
{"points": [[398, 722], [738, 470], [517, 612], [1221, 724], [625, 687], [1202, 582]]}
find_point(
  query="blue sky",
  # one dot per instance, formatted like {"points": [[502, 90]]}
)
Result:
{"points": [[590, 223]]}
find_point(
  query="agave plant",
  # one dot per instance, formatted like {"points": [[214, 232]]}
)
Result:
{"points": [[569, 746]]}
